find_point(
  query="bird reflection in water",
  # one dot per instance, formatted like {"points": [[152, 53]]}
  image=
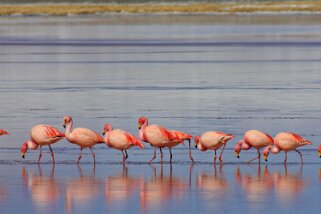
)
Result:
{"points": [[288, 186], [257, 187], [212, 186], [45, 190], [160, 190], [81, 191], [118, 189]]}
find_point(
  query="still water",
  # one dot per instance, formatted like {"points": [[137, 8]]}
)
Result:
{"points": [[191, 73]]}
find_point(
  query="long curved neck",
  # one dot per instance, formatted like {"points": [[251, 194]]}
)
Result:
{"points": [[141, 131], [69, 128], [31, 145], [272, 148]]}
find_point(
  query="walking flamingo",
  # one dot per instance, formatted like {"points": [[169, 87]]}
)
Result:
{"points": [[42, 135], [253, 138], [120, 140], [157, 136], [82, 137], [286, 141], [212, 140], [3, 132]]}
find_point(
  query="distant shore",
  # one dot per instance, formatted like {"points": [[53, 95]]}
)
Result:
{"points": [[63, 9]]}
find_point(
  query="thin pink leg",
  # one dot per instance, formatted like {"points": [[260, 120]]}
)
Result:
{"points": [[190, 150], [40, 154], [126, 154], [258, 156], [80, 155], [92, 152], [300, 155], [161, 151], [153, 158], [52, 154], [124, 158], [220, 158], [214, 156], [286, 157], [171, 155]]}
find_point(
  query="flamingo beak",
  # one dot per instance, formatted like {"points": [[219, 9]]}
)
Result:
{"points": [[319, 153], [104, 132], [265, 158], [64, 126], [22, 155], [237, 154], [139, 126]]}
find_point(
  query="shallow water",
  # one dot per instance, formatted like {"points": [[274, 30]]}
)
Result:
{"points": [[192, 76]]}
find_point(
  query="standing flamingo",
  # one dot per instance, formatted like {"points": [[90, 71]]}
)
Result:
{"points": [[286, 141], [82, 137], [157, 136], [253, 138], [212, 140], [42, 135], [3, 132], [120, 140], [319, 151]]}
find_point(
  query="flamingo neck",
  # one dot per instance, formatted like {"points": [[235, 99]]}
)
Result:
{"points": [[142, 130], [274, 149], [31, 145], [69, 128]]}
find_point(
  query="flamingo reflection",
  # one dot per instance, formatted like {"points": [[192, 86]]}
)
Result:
{"points": [[120, 188], [256, 187], [160, 190], [288, 186], [212, 186], [45, 190], [81, 191]]}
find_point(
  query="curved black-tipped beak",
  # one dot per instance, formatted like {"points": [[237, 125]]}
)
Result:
{"points": [[23, 156], [64, 126], [238, 156]]}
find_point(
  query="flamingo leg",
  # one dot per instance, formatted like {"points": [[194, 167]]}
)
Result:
{"points": [[220, 158], [126, 154], [52, 154], [92, 152], [299, 154], [150, 161], [171, 155], [80, 155], [258, 156], [40, 154], [190, 150], [124, 157], [161, 151], [286, 157], [214, 156]]}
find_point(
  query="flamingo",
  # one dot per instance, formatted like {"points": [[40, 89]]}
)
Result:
{"points": [[42, 135], [157, 136], [3, 132], [319, 151], [183, 136], [120, 140], [82, 137], [212, 140], [286, 141], [253, 138]]}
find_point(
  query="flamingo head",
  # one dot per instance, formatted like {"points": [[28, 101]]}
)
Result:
{"points": [[319, 150], [107, 128], [66, 121], [3, 132], [24, 149], [266, 152], [197, 140], [141, 121], [237, 148]]}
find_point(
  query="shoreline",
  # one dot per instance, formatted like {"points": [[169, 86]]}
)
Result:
{"points": [[69, 9]]}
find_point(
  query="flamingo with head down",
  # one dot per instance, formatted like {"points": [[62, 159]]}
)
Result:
{"points": [[157, 136], [42, 135], [120, 140], [212, 140], [83, 137], [286, 141], [3, 132], [253, 138]]}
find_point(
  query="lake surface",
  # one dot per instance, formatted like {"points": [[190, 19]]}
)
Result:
{"points": [[191, 73]]}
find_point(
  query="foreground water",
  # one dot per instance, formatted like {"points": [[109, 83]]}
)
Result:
{"points": [[192, 73]]}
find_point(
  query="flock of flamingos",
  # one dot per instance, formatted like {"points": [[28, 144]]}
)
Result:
{"points": [[159, 137]]}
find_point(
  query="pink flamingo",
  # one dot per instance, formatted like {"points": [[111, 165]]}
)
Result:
{"points": [[286, 141], [42, 135], [212, 140], [319, 151], [82, 137], [3, 132], [157, 136], [253, 138], [120, 140], [183, 136]]}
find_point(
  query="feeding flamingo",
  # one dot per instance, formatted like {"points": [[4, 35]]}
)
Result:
{"points": [[212, 140], [157, 136], [83, 137], [42, 135], [253, 138], [286, 141], [120, 140], [3, 132]]}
